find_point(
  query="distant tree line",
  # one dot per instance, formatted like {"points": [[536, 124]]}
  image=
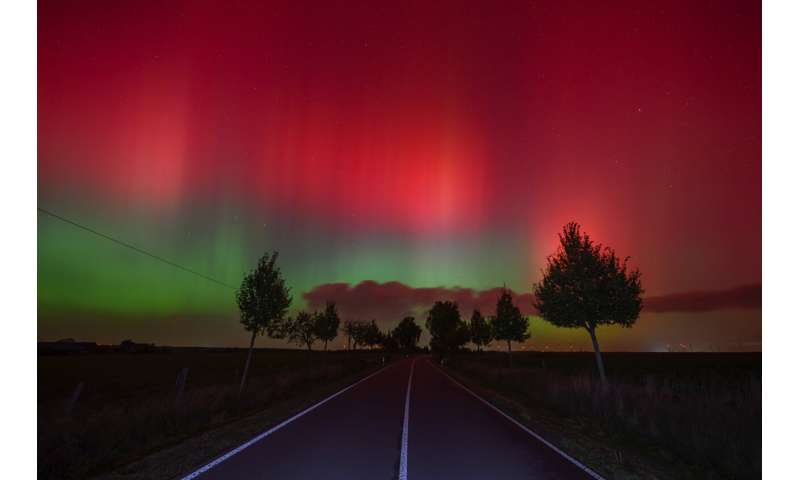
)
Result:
{"points": [[449, 333], [264, 299], [584, 285]]}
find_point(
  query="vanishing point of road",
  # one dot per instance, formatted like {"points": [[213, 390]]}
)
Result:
{"points": [[407, 421]]}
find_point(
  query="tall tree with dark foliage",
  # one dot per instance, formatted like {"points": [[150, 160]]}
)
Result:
{"points": [[263, 300], [480, 330], [407, 334], [372, 335], [301, 330], [326, 324], [447, 331], [509, 324], [586, 285]]}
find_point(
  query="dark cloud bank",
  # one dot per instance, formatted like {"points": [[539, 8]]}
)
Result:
{"points": [[370, 299], [746, 297]]}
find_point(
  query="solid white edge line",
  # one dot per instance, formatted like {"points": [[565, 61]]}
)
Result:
{"points": [[575, 462], [403, 470], [274, 429]]}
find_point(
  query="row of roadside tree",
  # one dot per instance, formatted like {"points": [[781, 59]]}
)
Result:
{"points": [[584, 285]]}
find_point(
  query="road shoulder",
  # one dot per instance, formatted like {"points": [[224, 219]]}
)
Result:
{"points": [[192, 453], [579, 438]]}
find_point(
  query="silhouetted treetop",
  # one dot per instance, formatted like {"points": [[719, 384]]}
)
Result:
{"points": [[264, 298], [508, 323], [447, 330], [407, 334], [480, 330], [326, 324], [301, 329], [586, 285]]}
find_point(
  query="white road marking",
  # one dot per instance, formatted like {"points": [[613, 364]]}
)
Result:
{"points": [[403, 473], [575, 462], [274, 429]]}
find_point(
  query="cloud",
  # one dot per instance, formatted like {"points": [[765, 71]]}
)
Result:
{"points": [[745, 297], [391, 301]]}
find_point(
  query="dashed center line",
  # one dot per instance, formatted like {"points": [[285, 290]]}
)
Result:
{"points": [[277, 427]]}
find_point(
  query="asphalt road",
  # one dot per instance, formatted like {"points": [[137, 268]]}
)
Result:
{"points": [[359, 434]]}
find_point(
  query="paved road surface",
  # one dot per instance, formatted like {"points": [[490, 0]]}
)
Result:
{"points": [[358, 435]]}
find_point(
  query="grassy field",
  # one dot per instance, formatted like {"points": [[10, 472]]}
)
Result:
{"points": [[663, 415], [127, 407]]}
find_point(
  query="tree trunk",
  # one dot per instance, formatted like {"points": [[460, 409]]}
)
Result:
{"points": [[598, 358], [247, 362], [325, 348], [510, 362]]}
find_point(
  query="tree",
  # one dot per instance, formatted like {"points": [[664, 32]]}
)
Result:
{"points": [[263, 300], [508, 323], [301, 330], [371, 334], [349, 329], [447, 330], [389, 342], [480, 330], [585, 285], [460, 336], [361, 333], [326, 324], [407, 334], [356, 330]]}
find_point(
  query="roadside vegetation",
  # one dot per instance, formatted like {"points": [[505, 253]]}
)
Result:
{"points": [[100, 412], [626, 415], [660, 415], [637, 415], [131, 405]]}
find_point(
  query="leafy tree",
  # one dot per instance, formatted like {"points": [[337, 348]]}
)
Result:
{"points": [[356, 330], [460, 336], [326, 324], [447, 330], [585, 285], [480, 330], [362, 333], [263, 300], [407, 334], [302, 330], [349, 329], [359, 333], [508, 323], [372, 335], [389, 342]]}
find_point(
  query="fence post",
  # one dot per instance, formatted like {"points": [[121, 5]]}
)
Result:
{"points": [[73, 399], [180, 384]]}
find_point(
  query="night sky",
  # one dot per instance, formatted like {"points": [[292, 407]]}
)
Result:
{"points": [[428, 149]]}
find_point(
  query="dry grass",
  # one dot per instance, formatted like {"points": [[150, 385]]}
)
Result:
{"points": [[697, 410], [128, 408]]}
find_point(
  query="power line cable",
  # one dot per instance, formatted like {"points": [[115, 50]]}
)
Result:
{"points": [[134, 248]]}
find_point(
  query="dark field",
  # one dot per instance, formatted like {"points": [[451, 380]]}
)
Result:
{"points": [[663, 415], [128, 406]]}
